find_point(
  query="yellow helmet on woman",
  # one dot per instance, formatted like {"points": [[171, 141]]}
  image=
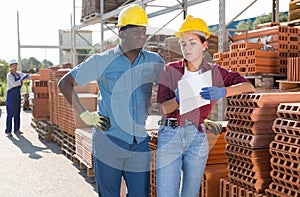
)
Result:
{"points": [[132, 15], [195, 25]]}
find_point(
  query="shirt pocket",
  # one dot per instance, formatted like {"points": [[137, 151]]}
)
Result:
{"points": [[148, 74], [115, 82]]}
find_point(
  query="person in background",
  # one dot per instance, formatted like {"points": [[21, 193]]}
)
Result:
{"points": [[182, 141], [125, 75], [15, 80]]}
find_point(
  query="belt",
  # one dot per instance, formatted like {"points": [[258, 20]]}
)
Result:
{"points": [[169, 122], [173, 122]]}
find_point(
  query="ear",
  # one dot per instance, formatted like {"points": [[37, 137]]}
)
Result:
{"points": [[205, 45], [121, 34]]}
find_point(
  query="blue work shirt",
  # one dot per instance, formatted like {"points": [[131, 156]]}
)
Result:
{"points": [[125, 89]]}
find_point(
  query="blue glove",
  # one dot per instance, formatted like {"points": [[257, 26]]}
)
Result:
{"points": [[213, 93], [177, 95]]}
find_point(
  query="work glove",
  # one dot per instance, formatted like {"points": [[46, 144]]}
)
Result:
{"points": [[94, 119], [213, 93], [177, 95], [212, 126]]}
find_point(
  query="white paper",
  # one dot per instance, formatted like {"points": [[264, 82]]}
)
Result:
{"points": [[189, 90]]}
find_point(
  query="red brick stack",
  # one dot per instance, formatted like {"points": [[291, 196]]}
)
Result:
{"points": [[293, 69], [216, 167], [40, 107], [285, 151], [153, 146], [55, 75], [83, 144], [251, 117], [83, 133], [264, 50]]}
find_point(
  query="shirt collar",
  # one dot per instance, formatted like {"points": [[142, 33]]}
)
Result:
{"points": [[204, 65]]}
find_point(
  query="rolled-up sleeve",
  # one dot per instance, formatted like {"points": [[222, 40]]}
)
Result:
{"points": [[86, 71]]}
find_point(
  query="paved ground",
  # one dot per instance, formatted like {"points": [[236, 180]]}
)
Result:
{"points": [[31, 167]]}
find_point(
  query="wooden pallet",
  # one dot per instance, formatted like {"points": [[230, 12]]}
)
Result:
{"points": [[82, 165], [288, 85]]}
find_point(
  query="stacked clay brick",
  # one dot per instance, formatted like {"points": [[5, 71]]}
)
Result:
{"points": [[40, 102], [293, 69], [263, 50], [83, 133], [54, 76], [285, 151], [83, 143], [251, 117], [216, 166], [153, 146]]}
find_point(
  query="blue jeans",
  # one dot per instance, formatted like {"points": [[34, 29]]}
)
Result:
{"points": [[114, 159], [180, 161]]}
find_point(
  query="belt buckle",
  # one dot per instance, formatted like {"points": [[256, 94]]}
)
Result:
{"points": [[172, 122]]}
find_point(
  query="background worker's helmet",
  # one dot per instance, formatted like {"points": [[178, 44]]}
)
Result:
{"points": [[132, 15], [13, 61], [195, 25]]}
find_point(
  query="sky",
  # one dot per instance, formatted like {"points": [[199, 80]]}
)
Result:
{"points": [[41, 20]]}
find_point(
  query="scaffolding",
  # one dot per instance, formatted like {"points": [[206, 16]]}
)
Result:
{"points": [[108, 20]]}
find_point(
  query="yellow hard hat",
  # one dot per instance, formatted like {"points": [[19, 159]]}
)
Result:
{"points": [[132, 15], [195, 25]]}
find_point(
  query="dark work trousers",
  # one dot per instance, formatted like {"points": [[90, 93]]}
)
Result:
{"points": [[13, 108]]}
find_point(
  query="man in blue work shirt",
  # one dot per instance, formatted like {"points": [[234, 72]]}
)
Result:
{"points": [[125, 75]]}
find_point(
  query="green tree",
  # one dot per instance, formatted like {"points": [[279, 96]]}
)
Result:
{"points": [[283, 17], [248, 25], [214, 29], [244, 25], [31, 63], [46, 64], [96, 49], [4, 68], [82, 55], [262, 19]]}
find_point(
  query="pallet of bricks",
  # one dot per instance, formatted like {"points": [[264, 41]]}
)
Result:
{"points": [[91, 8], [250, 142], [294, 13], [55, 75], [88, 96], [61, 114], [40, 103], [83, 133], [216, 167], [285, 152], [264, 50]]}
